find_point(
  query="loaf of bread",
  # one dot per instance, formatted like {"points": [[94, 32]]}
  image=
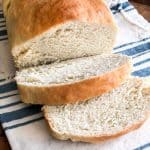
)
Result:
{"points": [[62, 49], [102, 118], [73, 80], [45, 31]]}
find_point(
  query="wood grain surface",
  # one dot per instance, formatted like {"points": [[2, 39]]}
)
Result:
{"points": [[143, 10], [4, 145], [145, 2]]}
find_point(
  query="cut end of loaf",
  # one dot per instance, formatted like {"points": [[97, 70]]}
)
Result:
{"points": [[71, 40], [61, 30], [100, 118]]}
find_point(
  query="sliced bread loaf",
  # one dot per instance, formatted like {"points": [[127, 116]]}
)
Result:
{"points": [[105, 117], [52, 30], [72, 80]]}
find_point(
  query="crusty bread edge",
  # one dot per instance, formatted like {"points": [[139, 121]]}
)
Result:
{"points": [[5, 4], [100, 138], [77, 91], [146, 86], [91, 139], [91, 14], [146, 91]]}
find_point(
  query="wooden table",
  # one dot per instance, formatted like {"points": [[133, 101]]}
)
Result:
{"points": [[4, 145], [143, 9]]}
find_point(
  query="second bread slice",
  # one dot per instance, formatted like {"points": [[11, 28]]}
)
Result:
{"points": [[73, 80], [105, 117]]}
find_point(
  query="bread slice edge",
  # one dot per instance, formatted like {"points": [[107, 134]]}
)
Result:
{"points": [[103, 137], [69, 93], [91, 139]]}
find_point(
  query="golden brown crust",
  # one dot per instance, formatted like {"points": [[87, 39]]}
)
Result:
{"points": [[92, 139], [5, 4], [146, 86], [75, 92], [29, 18], [146, 93]]}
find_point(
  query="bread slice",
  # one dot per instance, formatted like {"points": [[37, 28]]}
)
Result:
{"points": [[53, 30], [72, 80], [105, 117]]}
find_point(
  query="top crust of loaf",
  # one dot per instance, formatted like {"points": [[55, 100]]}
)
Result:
{"points": [[27, 19]]}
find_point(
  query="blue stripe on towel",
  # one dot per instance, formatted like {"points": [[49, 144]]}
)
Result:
{"points": [[136, 49], [131, 43], [25, 123], [11, 104], [1, 98], [126, 10], [130, 9], [142, 72], [121, 6], [6, 38], [3, 32], [21, 113], [1, 15], [2, 21], [143, 53], [1, 26], [143, 147], [8, 87], [141, 62], [126, 6]]}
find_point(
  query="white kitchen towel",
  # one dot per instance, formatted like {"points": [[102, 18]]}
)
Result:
{"points": [[24, 124]]}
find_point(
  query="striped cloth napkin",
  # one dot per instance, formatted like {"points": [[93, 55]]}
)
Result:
{"points": [[24, 124]]}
